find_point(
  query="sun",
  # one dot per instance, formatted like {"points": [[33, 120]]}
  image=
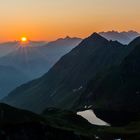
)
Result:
{"points": [[24, 39]]}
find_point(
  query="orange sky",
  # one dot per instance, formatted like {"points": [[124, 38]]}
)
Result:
{"points": [[51, 19]]}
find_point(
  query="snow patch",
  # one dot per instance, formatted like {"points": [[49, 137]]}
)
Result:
{"points": [[88, 107], [77, 89], [92, 118]]}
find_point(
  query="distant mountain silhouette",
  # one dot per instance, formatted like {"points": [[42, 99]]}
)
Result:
{"points": [[122, 37], [65, 42], [62, 86]]}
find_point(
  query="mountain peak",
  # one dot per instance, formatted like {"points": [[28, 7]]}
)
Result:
{"points": [[96, 37], [94, 40], [67, 37]]}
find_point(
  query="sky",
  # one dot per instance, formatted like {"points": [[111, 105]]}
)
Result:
{"points": [[51, 19]]}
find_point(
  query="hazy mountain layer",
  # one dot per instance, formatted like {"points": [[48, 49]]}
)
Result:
{"points": [[8, 47], [33, 60], [10, 78]]}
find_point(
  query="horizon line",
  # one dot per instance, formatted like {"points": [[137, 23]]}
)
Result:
{"points": [[45, 40]]}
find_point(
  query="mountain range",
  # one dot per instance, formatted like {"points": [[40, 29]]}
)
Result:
{"points": [[98, 75], [65, 82], [123, 37]]}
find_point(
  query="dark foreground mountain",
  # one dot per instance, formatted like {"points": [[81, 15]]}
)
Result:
{"points": [[123, 37], [65, 119], [16, 124], [62, 86], [117, 96]]}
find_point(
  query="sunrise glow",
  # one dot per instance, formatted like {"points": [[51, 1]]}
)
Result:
{"points": [[23, 39], [52, 19]]}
